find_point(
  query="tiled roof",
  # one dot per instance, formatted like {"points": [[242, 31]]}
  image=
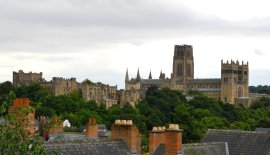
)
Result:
{"points": [[204, 81], [241, 142]]}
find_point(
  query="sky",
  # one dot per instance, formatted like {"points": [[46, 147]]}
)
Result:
{"points": [[100, 39]]}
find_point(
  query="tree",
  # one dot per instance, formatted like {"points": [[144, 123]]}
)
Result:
{"points": [[13, 137]]}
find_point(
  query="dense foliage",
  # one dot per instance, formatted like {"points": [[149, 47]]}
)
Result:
{"points": [[260, 89], [13, 137], [159, 107]]}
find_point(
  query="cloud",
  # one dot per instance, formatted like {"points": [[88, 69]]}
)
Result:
{"points": [[52, 36], [72, 26], [258, 52]]}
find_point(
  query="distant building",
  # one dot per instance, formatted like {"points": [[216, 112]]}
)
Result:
{"points": [[20, 78], [61, 86], [100, 93], [232, 87], [66, 123]]}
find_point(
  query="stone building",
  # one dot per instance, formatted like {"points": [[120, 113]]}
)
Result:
{"points": [[101, 93], [232, 87], [20, 78], [61, 86]]}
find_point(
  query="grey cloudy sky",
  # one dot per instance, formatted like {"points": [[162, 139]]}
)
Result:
{"points": [[99, 39]]}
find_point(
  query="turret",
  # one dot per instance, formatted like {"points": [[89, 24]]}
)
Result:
{"points": [[150, 75], [138, 78], [127, 77]]}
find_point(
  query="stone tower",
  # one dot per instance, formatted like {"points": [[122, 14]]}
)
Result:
{"points": [[234, 81], [183, 64]]}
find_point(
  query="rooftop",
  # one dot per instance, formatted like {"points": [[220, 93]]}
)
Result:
{"points": [[241, 142]]}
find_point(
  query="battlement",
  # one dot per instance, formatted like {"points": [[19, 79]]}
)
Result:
{"points": [[30, 72], [183, 51], [184, 46], [26, 78], [63, 79], [232, 62]]}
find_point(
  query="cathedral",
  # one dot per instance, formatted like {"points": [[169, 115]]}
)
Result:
{"points": [[232, 87]]}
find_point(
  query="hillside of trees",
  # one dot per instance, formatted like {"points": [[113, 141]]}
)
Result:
{"points": [[160, 107], [260, 89]]}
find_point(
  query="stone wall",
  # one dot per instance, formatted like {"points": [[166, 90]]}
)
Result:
{"points": [[20, 78]]}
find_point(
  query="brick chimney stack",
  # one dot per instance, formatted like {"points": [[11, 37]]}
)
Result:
{"points": [[173, 140], [156, 137], [129, 133], [91, 128], [28, 120], [57, 126]]}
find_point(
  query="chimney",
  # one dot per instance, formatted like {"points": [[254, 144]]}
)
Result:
{"points": [[57, 126], [173, 140], [91, 128], [28, 121], [156, 137], [129, 133]]}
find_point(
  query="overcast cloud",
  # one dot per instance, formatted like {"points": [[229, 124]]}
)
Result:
{"points": [[99, 39]]}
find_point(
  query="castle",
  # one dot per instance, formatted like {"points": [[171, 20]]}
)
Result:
{"points": [[232, 87]]}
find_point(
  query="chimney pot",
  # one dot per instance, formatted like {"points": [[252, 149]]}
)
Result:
{"points": [[129, 122], [118, 121], [124, 121]]}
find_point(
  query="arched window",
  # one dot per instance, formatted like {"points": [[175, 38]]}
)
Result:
{"points": [[240, 92]]}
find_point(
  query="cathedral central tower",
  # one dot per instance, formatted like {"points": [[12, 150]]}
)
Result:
{"points": [[183, 64]]}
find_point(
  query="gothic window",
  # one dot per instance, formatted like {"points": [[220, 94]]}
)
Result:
{"points": [[239, 92], [188, 69], [182, 53], [179, 69], [188, 54]]}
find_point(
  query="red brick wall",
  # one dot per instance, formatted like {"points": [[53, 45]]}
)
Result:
{"points": [[156, 138], [28, 120], [91, 128], [57, 126], [129, 134], [173, 142]]}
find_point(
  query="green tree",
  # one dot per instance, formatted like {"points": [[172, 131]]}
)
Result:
{"points": [[13, 139]]}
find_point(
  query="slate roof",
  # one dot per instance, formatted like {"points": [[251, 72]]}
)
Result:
{"points": [[76, 143], [241, 142], [151, 81], [208, 89], [90, 148], [262, 130], [219, 148], [204, 81]]}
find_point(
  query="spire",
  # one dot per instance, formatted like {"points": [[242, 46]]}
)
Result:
{"points": [[138, 76], [160, 75], [127, 78], [150, 75]]}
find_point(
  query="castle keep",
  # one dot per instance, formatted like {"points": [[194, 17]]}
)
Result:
{"points": [[232, 87]]}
